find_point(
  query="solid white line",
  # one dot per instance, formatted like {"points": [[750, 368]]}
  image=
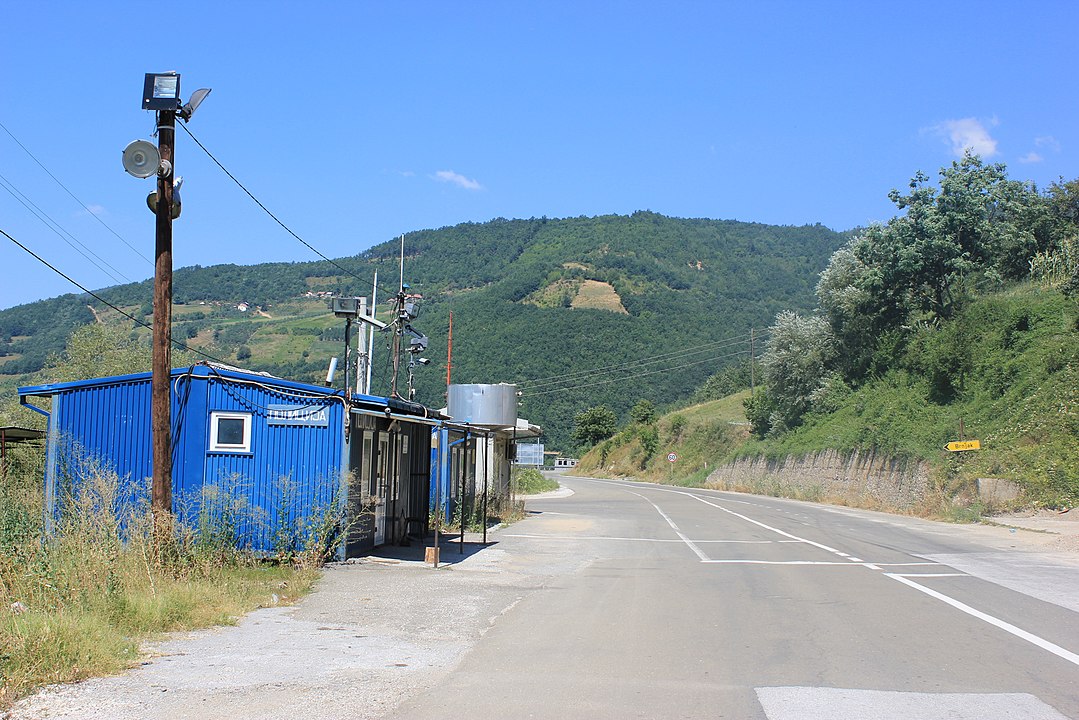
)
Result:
{"points": [[766, 527], [782, 562], [687, 541], [910, 575], [592, 537], [819, 562], [1006, 627], [634, 539]]}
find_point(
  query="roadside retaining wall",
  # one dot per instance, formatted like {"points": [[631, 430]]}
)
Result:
{"points": [[864, 479]]}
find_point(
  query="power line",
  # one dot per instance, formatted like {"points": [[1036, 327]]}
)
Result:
{"points": [[633, 364], [268, 212], [103, 301], [631, 377], [80, 202], [59, 230]]}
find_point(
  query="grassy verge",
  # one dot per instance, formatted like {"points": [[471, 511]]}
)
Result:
{"points": [[78, 604], [531, 482], [700, 436]]}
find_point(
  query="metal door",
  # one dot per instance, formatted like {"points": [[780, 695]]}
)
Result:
{"points": [[380, 493]]}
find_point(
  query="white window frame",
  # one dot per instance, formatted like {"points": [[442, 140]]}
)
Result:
{"points": [[215, 418]]}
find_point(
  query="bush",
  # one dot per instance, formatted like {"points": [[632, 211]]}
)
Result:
{"points": [[529, 481]]}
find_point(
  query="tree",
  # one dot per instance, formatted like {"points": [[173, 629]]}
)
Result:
{"points": [[98, 350], [643, 413], [796, 364], [850, 309], [594, 424]]}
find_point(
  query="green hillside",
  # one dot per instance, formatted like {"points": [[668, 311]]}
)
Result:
{"points": [[531, 300], [1016, 374], [956, 319]]}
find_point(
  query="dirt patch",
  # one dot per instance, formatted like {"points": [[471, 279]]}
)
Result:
{"points": [[598, 296]]}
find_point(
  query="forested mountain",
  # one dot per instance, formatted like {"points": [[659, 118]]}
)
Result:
{"points": [[617, 308]]}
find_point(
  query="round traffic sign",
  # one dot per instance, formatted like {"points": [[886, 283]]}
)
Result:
{"points": [[672, 457]]}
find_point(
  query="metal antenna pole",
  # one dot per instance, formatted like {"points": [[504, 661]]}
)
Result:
{"points": [[348, 354], [486, 462], [371, 340]]}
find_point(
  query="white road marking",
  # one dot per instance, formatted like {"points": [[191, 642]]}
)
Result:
{"points": [[823, 703], [855, 562], [689, 543], [997, 622], [913, 575], [815, 562], [636, 539], [763, 525], [782, 562]]}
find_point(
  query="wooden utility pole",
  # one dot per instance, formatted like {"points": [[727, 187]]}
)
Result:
{"points": [[161, 420]]}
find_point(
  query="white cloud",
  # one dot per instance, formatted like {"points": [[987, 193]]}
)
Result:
{"points": [[457, 179], [968, 134], [96, 210], [1047, 141]]}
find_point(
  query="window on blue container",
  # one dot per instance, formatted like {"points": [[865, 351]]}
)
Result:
{"points": [[230, 432]]}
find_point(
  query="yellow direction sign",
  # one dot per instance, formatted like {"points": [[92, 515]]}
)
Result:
{"points": [[961, 445]]}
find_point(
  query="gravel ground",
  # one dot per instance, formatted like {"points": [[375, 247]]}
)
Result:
{"points": [[374, 632]]}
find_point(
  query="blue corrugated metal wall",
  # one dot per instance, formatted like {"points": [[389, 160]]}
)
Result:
{"points": [[106, 427], [291, 476], [272, 494]]}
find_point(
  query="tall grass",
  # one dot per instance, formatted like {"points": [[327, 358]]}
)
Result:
{"points": [[78, 603]]}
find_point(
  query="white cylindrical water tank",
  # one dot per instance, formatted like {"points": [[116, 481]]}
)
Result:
{"points": [[487, 405]]}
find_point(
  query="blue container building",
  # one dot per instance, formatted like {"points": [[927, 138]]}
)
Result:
{"points": [[286, 455]]}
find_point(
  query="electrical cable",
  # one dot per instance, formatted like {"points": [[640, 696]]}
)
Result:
{"points": [[631, 377], [633, 364], [103, 301], [274, 217], [59, 230], [76, 199]]}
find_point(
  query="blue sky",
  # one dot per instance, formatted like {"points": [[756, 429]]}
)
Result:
{"points": [[355, 122]]}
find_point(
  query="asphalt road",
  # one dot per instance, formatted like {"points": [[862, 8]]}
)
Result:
{"points": [[698, 604], [625, 600]]}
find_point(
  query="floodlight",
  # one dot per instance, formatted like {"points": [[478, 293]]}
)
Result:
{"points": [[346, 307], [417, 344], [161, 91], [142, 159], [151, 199], [192, 105]]}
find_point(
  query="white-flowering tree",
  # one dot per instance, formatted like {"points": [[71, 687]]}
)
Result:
{"points": [[796, 365]]}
